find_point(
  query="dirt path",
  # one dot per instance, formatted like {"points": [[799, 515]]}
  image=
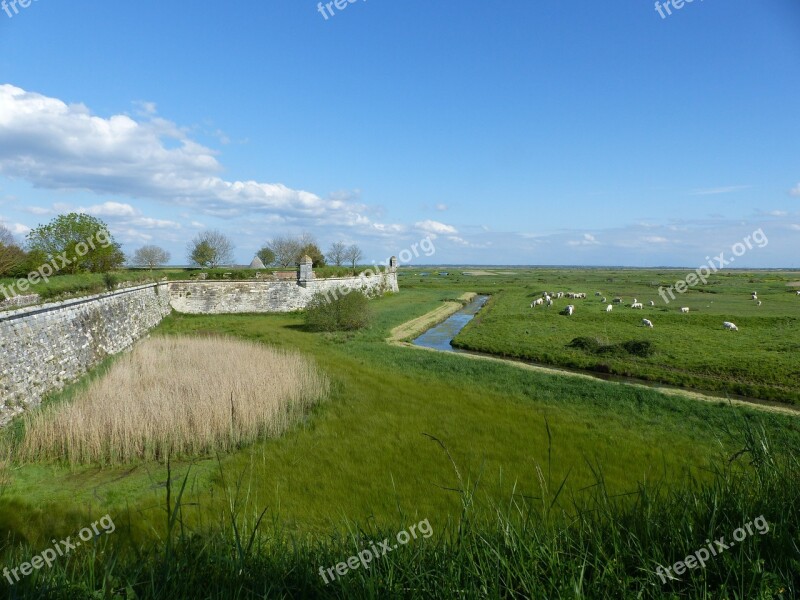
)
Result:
{"points": [[418, 326]]}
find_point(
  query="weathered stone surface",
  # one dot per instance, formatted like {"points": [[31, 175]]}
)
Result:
{"points": [[42, 348], [230, 297]]}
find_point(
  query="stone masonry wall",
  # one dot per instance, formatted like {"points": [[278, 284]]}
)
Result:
{"points": [[229, 297], [43, 348]]}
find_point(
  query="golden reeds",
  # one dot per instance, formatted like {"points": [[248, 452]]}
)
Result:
{"points": [[178, 396]]}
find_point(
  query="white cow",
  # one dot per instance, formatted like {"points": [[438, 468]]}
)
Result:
{"points": [[598, 294], [549, 302], [647, 323], [685, 309], [570, 310], [652, 303], [609, 308], [730, 326], [798, 293], [637, 305], [759, 303], [635, 301], [604, 300]]}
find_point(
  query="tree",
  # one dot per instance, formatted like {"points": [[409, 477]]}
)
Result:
{"points": [[11, 255], [336, 253], [286, 249], [266, 255], [77, 242], [313, 251], [353, 255], [210, 249], [151, 257]]}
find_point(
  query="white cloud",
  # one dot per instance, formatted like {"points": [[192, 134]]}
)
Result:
{"points": [[61, 146], [655, 239], [435, 228], [441, 207], [794, 226], [720, 190], [17, 229], [795, 191], [110, 209], [588, 240]]}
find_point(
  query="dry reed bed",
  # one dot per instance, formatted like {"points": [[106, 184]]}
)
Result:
{"points": [[178, 396]]}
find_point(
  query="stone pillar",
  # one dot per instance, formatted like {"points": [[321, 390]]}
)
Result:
{"points": [[305, 271], [393, 264]]}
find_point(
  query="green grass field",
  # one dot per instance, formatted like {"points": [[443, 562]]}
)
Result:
{"points": [[545, 467], [691, 350]]}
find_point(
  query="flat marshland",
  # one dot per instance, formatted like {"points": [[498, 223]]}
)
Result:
{"points": [[535, 485]]}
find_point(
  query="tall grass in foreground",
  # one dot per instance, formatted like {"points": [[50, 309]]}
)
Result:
{"points": [[176, 396], [606, 547]]}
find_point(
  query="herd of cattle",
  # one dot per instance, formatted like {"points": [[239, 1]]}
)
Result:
{"points": [[548, 299]]}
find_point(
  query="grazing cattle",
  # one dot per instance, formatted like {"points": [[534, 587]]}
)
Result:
{"points": [[647, 323], [759, 303], [730, 326], [754, 296], [549, 302], [537, 302], [685, 309], [570, 310], [609, 308], [652, 303], [798, 293], [598, 294], [617, 300], [603, 300], [637, 305], [635, 301]]}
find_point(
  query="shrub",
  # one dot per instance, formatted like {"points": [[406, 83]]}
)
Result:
{"points": [[338, 312], [641, 348]]}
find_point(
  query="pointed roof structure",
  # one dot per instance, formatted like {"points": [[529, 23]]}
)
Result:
{"points": [[257, 264]]}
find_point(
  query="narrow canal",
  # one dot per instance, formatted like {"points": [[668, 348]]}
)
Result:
{"points": [[440, 336]]}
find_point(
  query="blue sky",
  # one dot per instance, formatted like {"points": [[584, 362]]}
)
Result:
{"points": [[593, 133]]}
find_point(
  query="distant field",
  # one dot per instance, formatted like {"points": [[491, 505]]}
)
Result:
{"points": [[691, 350]]}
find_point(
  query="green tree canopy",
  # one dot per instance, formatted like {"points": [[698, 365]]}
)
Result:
{"points": [[266, 255], [77, 243], [312, 250]]}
